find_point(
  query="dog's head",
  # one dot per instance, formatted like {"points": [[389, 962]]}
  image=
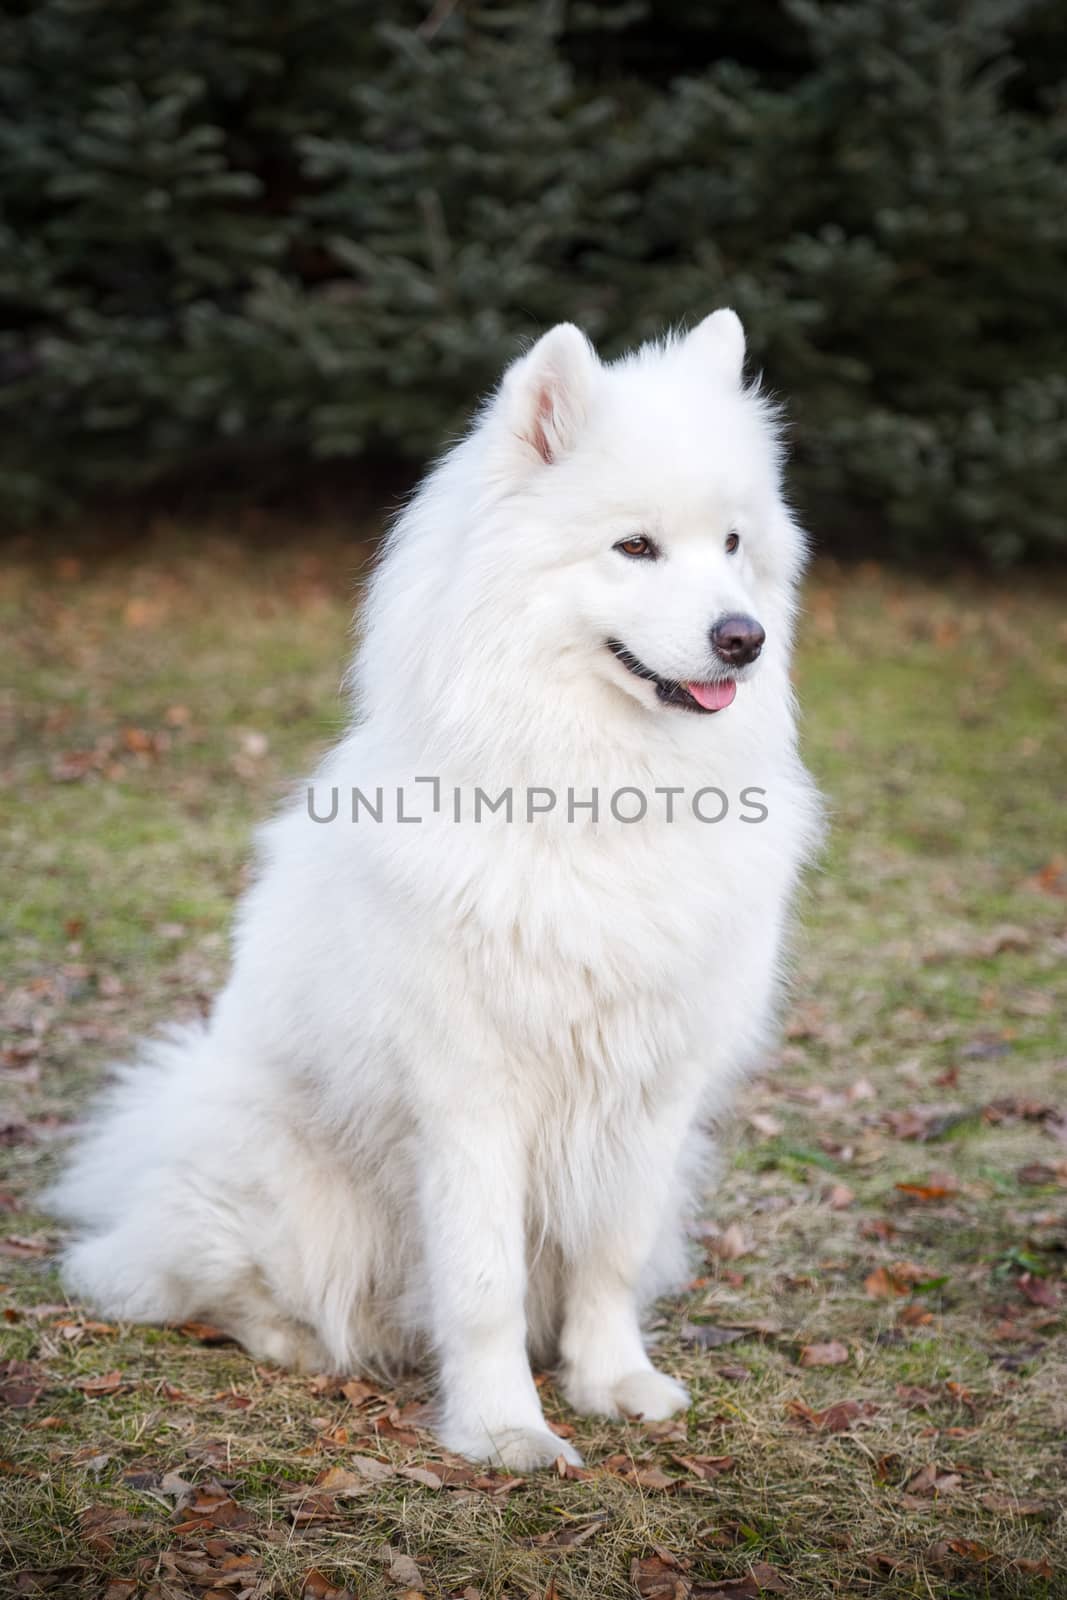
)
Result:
{"points": [[645, 523]]}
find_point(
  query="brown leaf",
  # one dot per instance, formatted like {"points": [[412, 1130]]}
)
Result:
{"points": [[730, 1244], [23, 1247], [569, 1535], [837, 1418], [215, 1567], [311, 1507], [354, 1479], [106, 1383], [659, 1577], [212, 1506], [707, 1467], [768, 1579], [914, 1394], [233, 1401], [120, 1589], [1039, 1173], [97, 1524], [840, 1197], [423, 1475], [888, 1283], [316, 1586], [935, 1188], [357, 1393], [399, 1425], [645, 1477], [1014, 1506], [205, 1333], [931, 1483], [1039, 1291], [831, 1354], [21, 1384], [403, 1570]]}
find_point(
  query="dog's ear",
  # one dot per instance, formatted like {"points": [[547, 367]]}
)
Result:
{"points": [[720, 340], [546, 393]]}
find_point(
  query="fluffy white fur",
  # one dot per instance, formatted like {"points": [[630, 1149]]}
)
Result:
{"points": [[455, 1102]]}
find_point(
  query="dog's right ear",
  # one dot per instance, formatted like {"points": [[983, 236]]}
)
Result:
{"points": [[545, 394]]}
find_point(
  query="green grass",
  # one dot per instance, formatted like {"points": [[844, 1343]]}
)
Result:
{"points": [[161, 704]]}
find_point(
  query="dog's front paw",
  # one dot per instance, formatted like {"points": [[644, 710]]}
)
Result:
{"points": [[650, 1395], [647, 1394], [515, 1449]]}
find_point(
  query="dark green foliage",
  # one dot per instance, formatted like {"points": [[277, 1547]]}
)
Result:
{"points": [[294, 231]]}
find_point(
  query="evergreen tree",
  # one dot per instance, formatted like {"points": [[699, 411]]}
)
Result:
{"points": [[301, 231]]}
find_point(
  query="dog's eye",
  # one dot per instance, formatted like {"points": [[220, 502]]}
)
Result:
{"points": [[732, 542], [639, 549]]}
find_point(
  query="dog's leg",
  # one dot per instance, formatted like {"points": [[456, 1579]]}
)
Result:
{"points": [[605, 1369], [472, 1199]]}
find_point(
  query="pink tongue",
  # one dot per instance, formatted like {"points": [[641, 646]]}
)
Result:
{"points": [[713, 696]]}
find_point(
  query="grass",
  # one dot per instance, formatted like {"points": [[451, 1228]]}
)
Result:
{"points": [[161, 701]]}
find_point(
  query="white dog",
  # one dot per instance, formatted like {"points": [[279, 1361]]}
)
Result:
{"points": [[456, 1100]]}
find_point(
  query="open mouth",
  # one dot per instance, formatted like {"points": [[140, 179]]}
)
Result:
{"points": [[702, 697]]}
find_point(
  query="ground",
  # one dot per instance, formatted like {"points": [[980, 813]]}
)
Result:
{"points": [[874, 1336]]}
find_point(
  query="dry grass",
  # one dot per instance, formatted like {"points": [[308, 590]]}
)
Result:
{"points": [[160, 701]]}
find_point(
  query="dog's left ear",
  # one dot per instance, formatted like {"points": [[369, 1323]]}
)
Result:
{"points": [[720, 340], [546, 393]]}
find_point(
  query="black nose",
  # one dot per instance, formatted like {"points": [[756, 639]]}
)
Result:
{"points": [[737, 640]]}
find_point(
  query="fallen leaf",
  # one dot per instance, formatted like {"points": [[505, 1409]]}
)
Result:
{"points": [[940, 1553], [569, 1535], [915, 1394], [1039, 1291], [730, 1244], [707, 1467], [423, 1475], [659, 1577], [212, 1506], [23, 1247], [831, 1354], [97, 1524], [311, 1507], [840, 1197], [357, 1393], [106, 1383], [1039, 1173], [403, 1570], [316, 1586], [934, 1188], [837, 1418], [901, 1278], [766, 1126], [205, 1333], [21, 1384], [1013, 1506], [120, 1589], [355, 1477], [882, 1285], [931, 1482], [768, 1579]]}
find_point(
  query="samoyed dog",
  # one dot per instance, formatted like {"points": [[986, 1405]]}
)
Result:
{"points": [[506, 958]]}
